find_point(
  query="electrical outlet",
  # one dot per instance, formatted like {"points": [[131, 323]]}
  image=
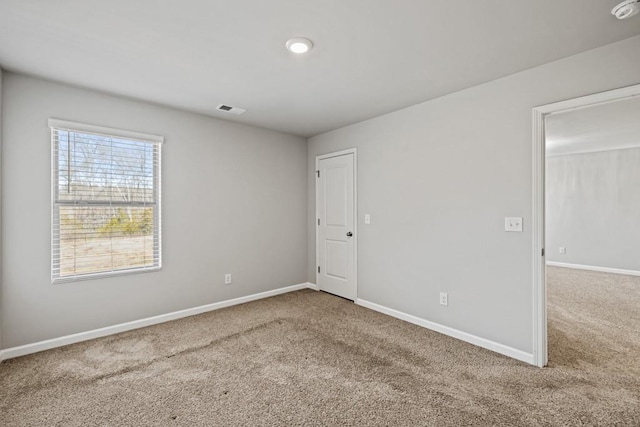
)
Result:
{"points": [[563, 250], [227, 279], [444, 298]]}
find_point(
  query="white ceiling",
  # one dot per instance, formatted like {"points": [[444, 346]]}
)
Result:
{"points": [[610, 126], [370, 56]]}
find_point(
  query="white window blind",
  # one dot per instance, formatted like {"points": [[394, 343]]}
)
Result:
{"points": [[105, 201]]}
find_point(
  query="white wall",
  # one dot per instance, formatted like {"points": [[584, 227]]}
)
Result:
{"points": [[234, 201], [438, 179], [593, 209]]}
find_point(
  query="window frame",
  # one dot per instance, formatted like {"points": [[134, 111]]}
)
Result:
{"points": [[156, 140]]}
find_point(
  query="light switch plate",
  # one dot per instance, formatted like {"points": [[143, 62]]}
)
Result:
{"points": [[513, 223], [367, 219]]}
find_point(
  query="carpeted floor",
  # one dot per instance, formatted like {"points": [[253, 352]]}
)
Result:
{"points": [[309, 358]]}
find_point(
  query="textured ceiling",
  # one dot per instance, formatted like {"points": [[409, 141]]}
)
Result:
{"points": [[370, 56]]}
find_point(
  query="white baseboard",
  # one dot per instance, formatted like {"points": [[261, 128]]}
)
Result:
{"points": [[23, 350], [313, 286], [594, 268], [472, 339]]}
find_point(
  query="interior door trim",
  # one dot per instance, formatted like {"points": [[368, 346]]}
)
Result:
{"points": [[319, 157]]}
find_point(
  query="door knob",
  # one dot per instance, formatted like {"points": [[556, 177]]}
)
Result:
{"points": [[349, 234]]}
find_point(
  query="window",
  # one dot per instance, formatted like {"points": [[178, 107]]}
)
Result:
{"points": [[105, 201]]}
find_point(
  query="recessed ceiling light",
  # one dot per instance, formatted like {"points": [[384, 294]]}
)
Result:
{"points": [[299, 45]]}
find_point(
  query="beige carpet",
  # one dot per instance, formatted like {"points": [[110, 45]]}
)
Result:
{"points": [[308, 358]]}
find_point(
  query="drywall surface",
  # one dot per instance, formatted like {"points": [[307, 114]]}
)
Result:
{"points": [[438, 179], [234, 201], [593, 209], [1, 78]]}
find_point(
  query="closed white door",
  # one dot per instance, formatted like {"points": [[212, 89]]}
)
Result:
{"points": [[336, 243]]}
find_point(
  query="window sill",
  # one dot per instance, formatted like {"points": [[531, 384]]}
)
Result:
{"points": [[106, 274]]}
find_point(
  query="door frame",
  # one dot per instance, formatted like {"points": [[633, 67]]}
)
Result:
{"points": [[319, 157], [540, 350]]}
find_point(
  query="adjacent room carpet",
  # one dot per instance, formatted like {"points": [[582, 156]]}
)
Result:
{"points": [[309, 358]]}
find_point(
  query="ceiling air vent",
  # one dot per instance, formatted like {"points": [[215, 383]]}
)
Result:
{"points": [[230, 109]]}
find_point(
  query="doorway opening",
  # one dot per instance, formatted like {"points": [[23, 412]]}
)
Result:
{"points": [[544, 120]]}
